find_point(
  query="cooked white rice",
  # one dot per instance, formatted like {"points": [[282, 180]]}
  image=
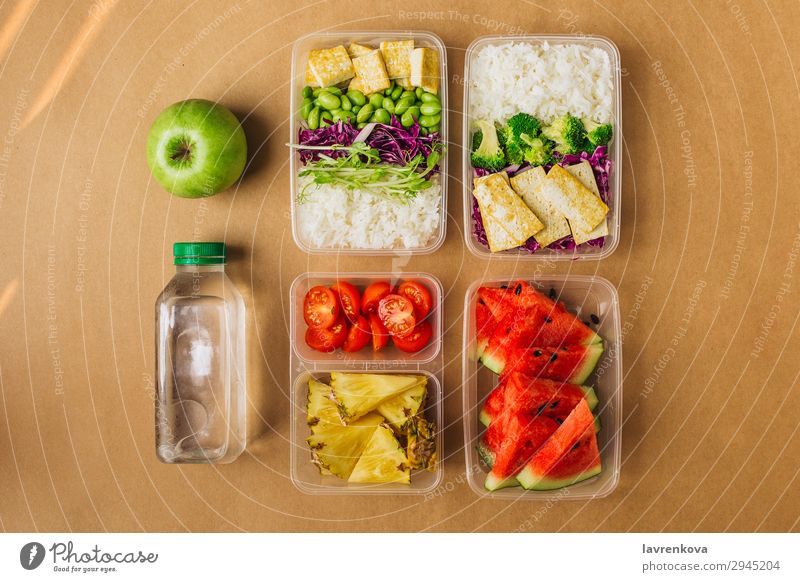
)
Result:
{"points": [[542, 79], [333, 217]]}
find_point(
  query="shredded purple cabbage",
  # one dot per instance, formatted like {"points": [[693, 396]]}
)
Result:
{"points": [[395, 144], [602, 169]]}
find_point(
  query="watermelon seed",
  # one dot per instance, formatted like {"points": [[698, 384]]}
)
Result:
{"points": [[554, 404], [575, 448], [548, 319], [564, 349], [560, 420], [518, 290], [503, 286], [552, 293], [595, 319], [553, 357], [537, 353], [587, 323], [540, 410]]}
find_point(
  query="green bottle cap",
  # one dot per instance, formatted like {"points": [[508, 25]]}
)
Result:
{"points": [[199, 253]]}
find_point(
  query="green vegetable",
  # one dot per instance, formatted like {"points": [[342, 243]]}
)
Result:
{"points": [[597, 134], [313, 118], [430, 107], [429, 120], [362, 168], [346, 105], [333, 90], [419, 92], [429, 98], [388, 91], [396, 93], [381, 116], [306, 107], [407, 119], [388, 104], [518, 129], [567, 132], [488, 154], [434, 129], [538, 151], [408, 93], [356, 97], [325, 118], [403, 104], [361, 125], [328, 101], [365, 113], [307, 92], [376, 100]]}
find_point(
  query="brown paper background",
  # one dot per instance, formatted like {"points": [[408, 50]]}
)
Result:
{"points": [[714, 444]]}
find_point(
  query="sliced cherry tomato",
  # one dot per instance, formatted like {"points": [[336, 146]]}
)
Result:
{"points": [[327, 340], [320, 307], [397, 314], [419, 296], [358, 336], [380, 336], [416, 340], [349, 299], [373, 295]]}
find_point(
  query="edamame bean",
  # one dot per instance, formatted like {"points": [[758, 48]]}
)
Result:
{"points": [[316, 91], [355, 109], [408, 93], [342, 115], [434, 128], [313, 118], [390, 89], [307, 92], [328, 101], [388, 104], [306, 107], [407, 119], [356, 97], [429, 120], [430, 108], [429, 98], [376, 100], [325, 118], [396, 93], [423, 131], [346, 105], [334, 90], [403, 105], [361, 125], [381, 116], [419, 91], [365, 113]]}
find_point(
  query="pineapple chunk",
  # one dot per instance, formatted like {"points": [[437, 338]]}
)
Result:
{"points": [[398, 409], [420, 443], [383, 460], [358, 394], [337, 448], [322, 411]]}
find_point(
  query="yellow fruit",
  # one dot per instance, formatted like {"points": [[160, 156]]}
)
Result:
{"points": [[358, 394], [383, 460], [399, 409], [338, 448], [322, 410], [420, 443]]}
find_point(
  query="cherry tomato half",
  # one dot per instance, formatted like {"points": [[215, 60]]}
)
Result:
{"points": [[416, 340], [380, 336], [327, 340], [349, 299], [397, 314], [373, 295], [358, 336], [419, 296], [320, 308]]}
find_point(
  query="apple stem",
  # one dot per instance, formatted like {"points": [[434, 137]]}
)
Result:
{"points": [[183, 153]]}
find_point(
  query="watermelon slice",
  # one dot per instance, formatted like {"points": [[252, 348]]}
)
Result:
{"points": [[553, 455], [573, 364], [513, 443], [501, 301], [535, 396], [485, 325]]}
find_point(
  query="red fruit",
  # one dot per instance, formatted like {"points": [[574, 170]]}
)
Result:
{"points": [[349, 299]]}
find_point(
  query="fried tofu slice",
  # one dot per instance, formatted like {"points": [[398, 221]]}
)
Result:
{"points": [[581, 207], [356, 84], [585, 175], [507, 221], [329, 66], [372, 72], [397, 56], [358, 50], [528, 184], [425, 69]]}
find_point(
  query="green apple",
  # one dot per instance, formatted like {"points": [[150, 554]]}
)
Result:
{"points": [[196, 148]]}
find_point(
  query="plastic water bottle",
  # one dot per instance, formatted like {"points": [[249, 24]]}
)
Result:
{"points": [[200, 360]]}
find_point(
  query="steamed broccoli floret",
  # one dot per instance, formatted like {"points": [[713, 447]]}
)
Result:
{"points": [[518, 129], [488, 153], [567, 132], [538, 151], [597, 134]]}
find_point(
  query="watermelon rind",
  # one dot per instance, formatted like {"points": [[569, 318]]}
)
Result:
{"points": [[548, 484], [491, 361], [494, 482], [593, 354], [486, 454], [484, 417]]}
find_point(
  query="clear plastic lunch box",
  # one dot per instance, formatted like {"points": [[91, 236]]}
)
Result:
{"points": [[306, 363], [370, 38], [589, 295], [584, 251]]}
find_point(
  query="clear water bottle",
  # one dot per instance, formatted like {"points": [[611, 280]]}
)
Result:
{"points": [[200, 360]]}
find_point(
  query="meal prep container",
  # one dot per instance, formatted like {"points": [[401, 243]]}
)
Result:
{"points": [[584, 251], [371, 38], [588, 295], [306, 363]]}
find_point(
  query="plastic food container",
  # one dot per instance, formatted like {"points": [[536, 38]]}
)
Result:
{"points": [[588, 295], [584, 251], [371, 38], [306, 363]]}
